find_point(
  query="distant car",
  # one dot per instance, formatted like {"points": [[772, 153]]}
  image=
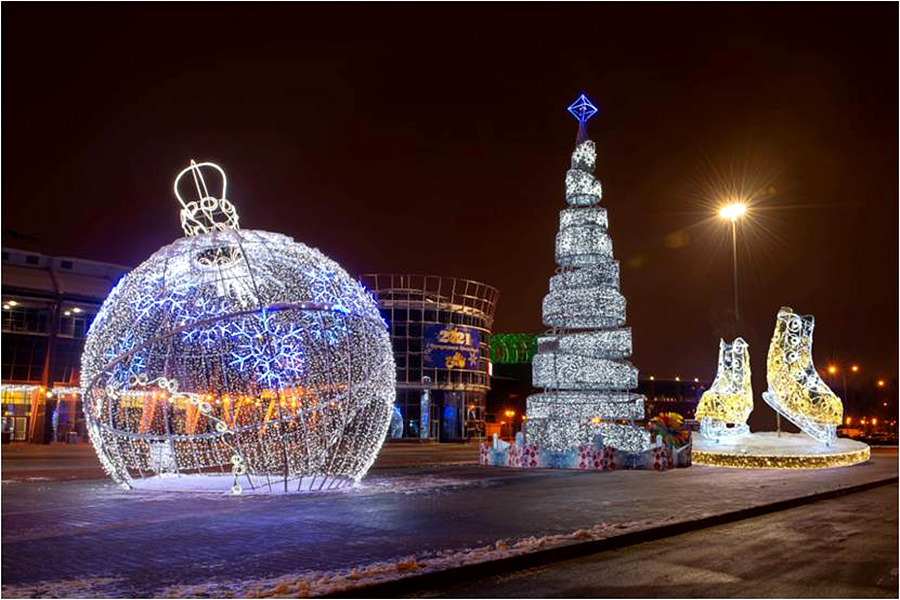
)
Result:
{"points": [[850, 433], [882, 438]]}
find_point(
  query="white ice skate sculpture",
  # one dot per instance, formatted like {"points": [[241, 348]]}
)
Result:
{"points": [[796, 391], [724, 408]]}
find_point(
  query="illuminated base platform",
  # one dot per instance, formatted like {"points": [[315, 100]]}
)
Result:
{"points": [[768, 450]]}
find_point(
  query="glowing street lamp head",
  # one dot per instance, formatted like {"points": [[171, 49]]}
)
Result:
{"points": [[832, 369], [732, 211]]}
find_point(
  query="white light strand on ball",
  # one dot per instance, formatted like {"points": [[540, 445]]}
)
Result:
{"points": [[238, 467]]}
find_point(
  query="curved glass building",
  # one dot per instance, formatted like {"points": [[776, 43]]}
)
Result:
{"points": [[440, 329]]}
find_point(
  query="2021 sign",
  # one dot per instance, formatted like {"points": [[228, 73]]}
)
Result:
{"points": [[450, 347]]}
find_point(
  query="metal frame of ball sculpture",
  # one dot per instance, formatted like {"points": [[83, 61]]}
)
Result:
{"points": [[236, 360]]}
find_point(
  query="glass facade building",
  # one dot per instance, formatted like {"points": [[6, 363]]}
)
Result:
{"points": [[440, 328], [48, 304]]}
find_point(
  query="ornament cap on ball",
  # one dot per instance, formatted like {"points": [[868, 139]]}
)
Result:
{"points": [[209, 212]]}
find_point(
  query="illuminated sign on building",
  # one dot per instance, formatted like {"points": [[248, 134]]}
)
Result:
{"points": [[450, 347]]}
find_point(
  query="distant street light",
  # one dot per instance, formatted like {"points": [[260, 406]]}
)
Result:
{"points": [[833, 369], [509, 415], [732, 212]]}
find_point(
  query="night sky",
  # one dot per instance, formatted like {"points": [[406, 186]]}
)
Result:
{"points": [[434, 139]]}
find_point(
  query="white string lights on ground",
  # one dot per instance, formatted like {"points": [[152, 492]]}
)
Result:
{"points": [[581, 363], [237, 360], [724, 408]]}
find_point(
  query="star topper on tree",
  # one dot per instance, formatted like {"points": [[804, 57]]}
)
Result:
{"points": [[582, 109]]}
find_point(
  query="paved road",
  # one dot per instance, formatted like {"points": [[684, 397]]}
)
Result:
{"points": [[840, 548], [68, 462], [133, 544]]}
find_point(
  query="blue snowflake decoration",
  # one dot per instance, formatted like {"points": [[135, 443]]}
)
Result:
{"points": [[325, 287], [174, 302], [113, 295], [582, 109], [203, 309], [124, 371], [328, 327], [329, 287], [183, 306], [273, 351]]}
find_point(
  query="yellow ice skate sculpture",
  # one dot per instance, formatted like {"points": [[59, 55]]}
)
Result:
{"points": [[725, 406], [795, 390]]}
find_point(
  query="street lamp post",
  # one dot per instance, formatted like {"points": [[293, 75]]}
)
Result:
{"points": [[832, 370], [732, 212], [512, 424], [855, 369], [737, 314]]}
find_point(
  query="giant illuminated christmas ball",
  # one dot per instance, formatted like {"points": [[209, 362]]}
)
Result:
{"points": [[236, 360]]}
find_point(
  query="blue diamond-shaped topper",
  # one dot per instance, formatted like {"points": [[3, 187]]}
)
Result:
{"points": [[583, 109]]}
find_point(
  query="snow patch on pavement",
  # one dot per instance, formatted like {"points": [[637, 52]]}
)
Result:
{"points": [[319, 583], [88, 587]]}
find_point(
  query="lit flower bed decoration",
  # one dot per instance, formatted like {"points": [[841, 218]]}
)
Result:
{"points": [[236, 360], [669, 428], [671, 434]]}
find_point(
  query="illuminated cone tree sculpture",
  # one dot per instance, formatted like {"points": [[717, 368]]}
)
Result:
{"points": [[580, 362]]}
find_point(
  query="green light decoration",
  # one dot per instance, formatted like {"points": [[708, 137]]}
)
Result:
{"points": [[513, 348]]}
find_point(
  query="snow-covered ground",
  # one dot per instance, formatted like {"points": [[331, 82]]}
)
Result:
{"points": [[108, 542], [305, 584]]}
